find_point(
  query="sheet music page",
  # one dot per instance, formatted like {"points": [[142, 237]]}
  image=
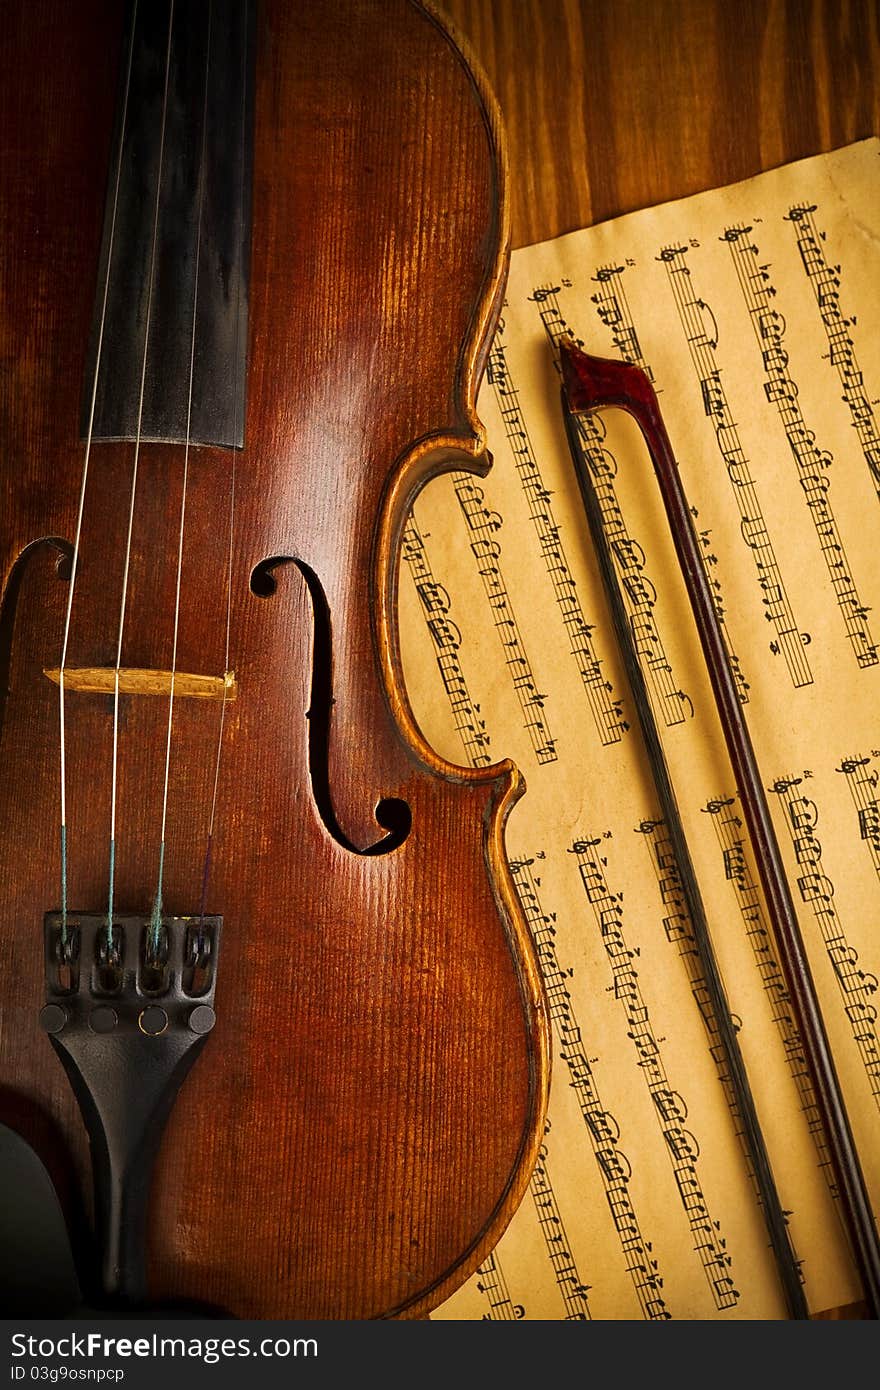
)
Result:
{"points": [[755, 310]]}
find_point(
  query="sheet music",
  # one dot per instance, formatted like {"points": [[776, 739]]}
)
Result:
{"points": [[754, 310]]}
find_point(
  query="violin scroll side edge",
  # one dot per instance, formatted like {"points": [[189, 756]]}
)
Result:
{"points": [[426, 459]]}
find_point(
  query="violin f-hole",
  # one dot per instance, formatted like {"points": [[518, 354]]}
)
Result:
{"points": [[9, 599], [391, 812]]}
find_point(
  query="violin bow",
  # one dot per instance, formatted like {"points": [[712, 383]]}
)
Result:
{"points": [[588, 385]]}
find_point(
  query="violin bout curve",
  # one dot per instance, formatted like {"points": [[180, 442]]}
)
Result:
{"points": [[365, 1116]]}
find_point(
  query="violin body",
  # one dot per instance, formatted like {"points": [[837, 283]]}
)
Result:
{"points": [[363, 1118]]}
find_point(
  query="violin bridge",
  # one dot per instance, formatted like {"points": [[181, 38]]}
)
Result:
{"points": [[101, 680]]}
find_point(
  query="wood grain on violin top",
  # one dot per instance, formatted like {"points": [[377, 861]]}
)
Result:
{"points": [[364, 1116]]}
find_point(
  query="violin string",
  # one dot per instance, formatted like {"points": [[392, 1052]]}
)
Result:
{"points": [[82, 491], [209, 842], [156, 919], [206, 869], [134, 480]]}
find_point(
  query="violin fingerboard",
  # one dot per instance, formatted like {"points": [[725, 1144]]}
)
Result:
{"points": [[169, 331]]}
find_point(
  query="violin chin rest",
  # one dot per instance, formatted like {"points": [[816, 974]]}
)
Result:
{"points": [[37, 1275]]}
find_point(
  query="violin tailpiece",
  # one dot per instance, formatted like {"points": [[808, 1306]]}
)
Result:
{"points": [[128, 1011]]}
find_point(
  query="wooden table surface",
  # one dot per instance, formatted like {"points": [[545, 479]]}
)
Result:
{"points": [[615, 105]]}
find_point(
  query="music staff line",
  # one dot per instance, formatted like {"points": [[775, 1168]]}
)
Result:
{"points": [[613, 310], [862, 784], [483, 526], [825, 282], [492, 1283], [604, 708], [490, 1278], [737, 872], [679, 932], [575, 1295], [812, 462], [436, 605], [817, 891], [694, 314], [670, 1108], [640, 596], [614, 1168]]}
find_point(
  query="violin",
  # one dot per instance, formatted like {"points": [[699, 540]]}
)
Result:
{"points": [[271, 1021]]}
